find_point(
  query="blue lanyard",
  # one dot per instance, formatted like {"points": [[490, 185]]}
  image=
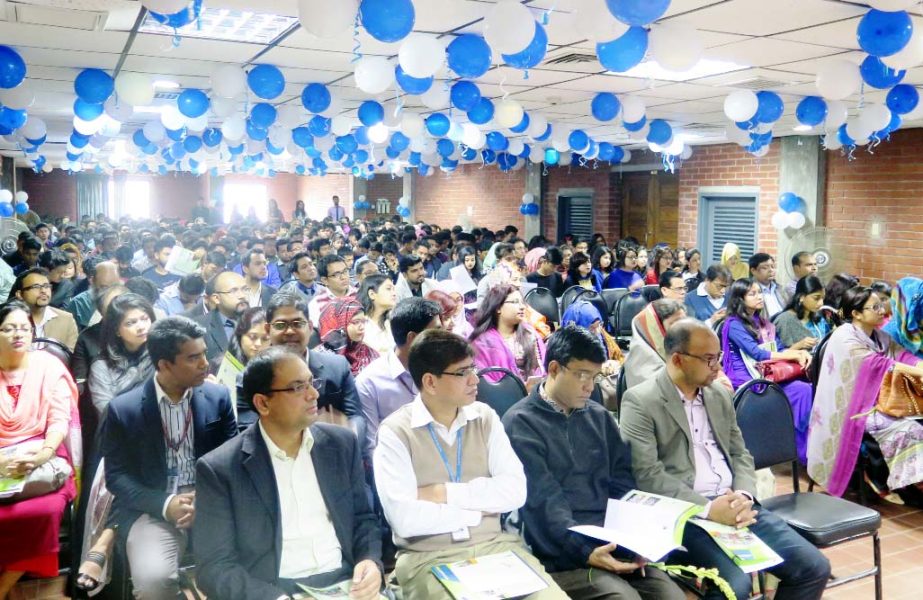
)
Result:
{"points": [[445, 459]]}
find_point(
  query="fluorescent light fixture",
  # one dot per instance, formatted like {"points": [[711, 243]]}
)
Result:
{"points": [[226, 24], [706, 67], [153, 110], [166, 84], [802, 128]]}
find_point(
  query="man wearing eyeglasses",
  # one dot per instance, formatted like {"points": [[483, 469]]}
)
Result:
{"points": [[334, 274], [230, 298], [267, 519], [708, 301], [575, 461], [33, 287], [672, 286], [445, 471], [685, 444]]}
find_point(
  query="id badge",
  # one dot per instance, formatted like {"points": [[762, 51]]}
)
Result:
{"points": [[172, 484], [461, 535]]}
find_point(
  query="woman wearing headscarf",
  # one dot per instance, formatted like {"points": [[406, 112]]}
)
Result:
{"points": [[342, 329], [584, 314], [730, 258]]}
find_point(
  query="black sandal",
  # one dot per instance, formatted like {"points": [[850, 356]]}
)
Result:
{"points": [[86, 582]]}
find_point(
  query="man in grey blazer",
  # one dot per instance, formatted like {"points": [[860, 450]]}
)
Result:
{"points": [[285, 502], [685, 444]]}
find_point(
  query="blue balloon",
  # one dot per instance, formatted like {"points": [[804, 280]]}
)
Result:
{"points": [[371, 113], [387, 20], [445, 147], [22, 208], [618, 155], [399, 141], [552, 156], [606, 150], [884, 33], [255, 132], [181, 18], [660, 132], [238, 149], [176, 134], [526, 151], [497, 142], [150, 149], [302, 137], [412, 85], [623, 53], [605, 106], [811, 111], [319, 126], [347, 143], [192, 144], [482, 112], [879, 75], [902, 99], [638, 12], [469, 56], [12, 68], [465, 95], [12, 119], [361, 155], [391, 153], [533, 54], [263, 114], [790, 202], [523, 209], [414, 159], [636, 126], [522, 125], [315, 97], [79, 141], [266, 81], [488, 156], [469, 154], [770, 107], [6, 209], [178, 150], [212, 136], [362, 135], [192, 103], [578, 140], [72, 157], [94, 86], [545, 135], [437, 124]]}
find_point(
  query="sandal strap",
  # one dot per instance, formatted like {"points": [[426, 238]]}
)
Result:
{"points": [[97, 558]]}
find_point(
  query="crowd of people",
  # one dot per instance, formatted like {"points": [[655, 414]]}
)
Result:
{"points": [[299, 407]]}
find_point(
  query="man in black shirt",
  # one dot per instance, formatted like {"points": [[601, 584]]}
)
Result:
{"points": [[158, 274], [546, 275]]}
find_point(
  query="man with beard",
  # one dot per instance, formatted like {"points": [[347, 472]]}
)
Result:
{"points": [[230, 298], [34, 288], [158, 274], [304, 277]]}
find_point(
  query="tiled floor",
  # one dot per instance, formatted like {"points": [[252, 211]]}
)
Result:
{"points": [[901, 551]]}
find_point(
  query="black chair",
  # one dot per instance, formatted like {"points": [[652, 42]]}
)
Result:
{"points": [[543, 302], [503, 394], [626, 309], [55, 348], [597, 301], [718, 325], [612, 297], [651, 292], [817, 359], [570, 295], [765, 420], [621, 386]]}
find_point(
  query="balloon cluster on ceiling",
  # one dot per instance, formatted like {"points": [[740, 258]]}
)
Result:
{"points": [[792, 212], [243, 123], [893, 42]]}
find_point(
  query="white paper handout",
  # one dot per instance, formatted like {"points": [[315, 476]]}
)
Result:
{"points": [[492, 577], [181, 262]]}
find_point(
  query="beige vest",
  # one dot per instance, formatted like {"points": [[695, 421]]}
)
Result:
{"points": [[429, 470]]}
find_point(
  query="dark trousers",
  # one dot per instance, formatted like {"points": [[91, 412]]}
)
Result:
{"points": [[803, 574], [595, 584]]}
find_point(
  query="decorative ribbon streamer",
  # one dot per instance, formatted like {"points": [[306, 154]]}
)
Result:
{"points": [[668, 164], [356, 44], [849, 153]]}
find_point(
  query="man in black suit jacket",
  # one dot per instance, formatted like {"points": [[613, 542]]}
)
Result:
{"points": [[230, 296], [151, 439], [284, 502]]}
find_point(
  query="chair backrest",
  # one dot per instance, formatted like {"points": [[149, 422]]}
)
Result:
{"points": [[817, 360], [621, 386], [543, 302], [570, 295], [55, 348], [600, 304], [651, 292], [503, 394], [627, 308], [718, 326], [611, 297], [764, 416]]}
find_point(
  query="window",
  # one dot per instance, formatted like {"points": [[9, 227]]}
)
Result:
{"points": [[130, 198], [244, 197], [727, 215], [575, 212]]}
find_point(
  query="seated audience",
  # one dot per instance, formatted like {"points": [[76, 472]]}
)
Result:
{"points": [[152, 437], [503, 338], [441, 512], [647, 356], [342, 331], [692, 272], [314, 524], [230, 299], [833, 294], [748, 337], [38, 425], [101, 274], [801, 325], [412, 280], [378, 299], [803, 264], [552, 431], [708, 301], [730, 259], [146, 289], [603, 262], [90, 342], [57, 264], [580, 273], [254, 266], [907, 308], [182, 296], [33, 287], [26, 257], [884, 291], [711, 467], [624, 274], [157, 273], [453, 309], [546, 274], [586, 315], [334, 274], [504, 267], [856, 359], [304, 277], [763, 274], [662, 261], [672, 286]]}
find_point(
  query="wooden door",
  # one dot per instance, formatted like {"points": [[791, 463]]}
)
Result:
{"points": [[636, 208], [666, 209], [650, 207]]}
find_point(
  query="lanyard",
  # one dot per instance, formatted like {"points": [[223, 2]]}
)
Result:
{"points": [[166, 434], [445, 459]]}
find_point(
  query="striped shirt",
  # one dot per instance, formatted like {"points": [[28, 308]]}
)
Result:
{"points": [[176, 420]]}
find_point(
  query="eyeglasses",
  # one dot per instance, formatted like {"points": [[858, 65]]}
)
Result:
{"points": [[875, 307], [711, 360], [299, 387], [11, 329], [466, 372], [37, 286], [584, 376], [297, 325], [513, 302], [233, 291], [678, 290], [339, 273]]}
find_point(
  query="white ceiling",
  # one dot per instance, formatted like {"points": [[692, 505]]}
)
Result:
{"points": [[784, 41]]}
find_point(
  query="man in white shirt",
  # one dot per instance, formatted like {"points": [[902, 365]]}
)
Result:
{"points": [[254, 266], [763, 271], [445, 471], [285, 502]]}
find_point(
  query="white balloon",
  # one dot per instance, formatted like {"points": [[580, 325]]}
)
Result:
{"points": [[136, 89], [87, 127], [455, 131], [421, 55], [165, 7], [470, 134], [516, 147], [528, 198], [741, 105], [675, 46], [118, 109], [858, 130], [228, 81], [565, 159], [796, 220], [831, 142], [674, 147], [172, 118], [633, 109], [340, 125], [233, 128], [838, 79], [110, 127], [509, 27], [153, 131], [34, 129], [48, 168], [198, 124], [336, 105], [537, 125], [378, 133], [763, 151], [411, 124], [837, 113], [326, 19], [687, 153], [561, 146], [20, 97], [279, 135], [875, 117], [508, 113], [222, 107], [779, 220], [911, 55], [290, 115], [324, 143], [392, 117], [479, 142], [6, 196], [436, 97], [374, 74], [626, 157], [594, 21]]}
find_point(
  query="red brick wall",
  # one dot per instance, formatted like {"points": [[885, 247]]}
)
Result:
{"points": [[384, 186], [607, 198], [318, 191], [494, 197], [729, 165], [52, 193], [884, 184]]}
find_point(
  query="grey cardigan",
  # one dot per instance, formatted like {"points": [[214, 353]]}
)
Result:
{"points": [[789, 329], [106, 381]]}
